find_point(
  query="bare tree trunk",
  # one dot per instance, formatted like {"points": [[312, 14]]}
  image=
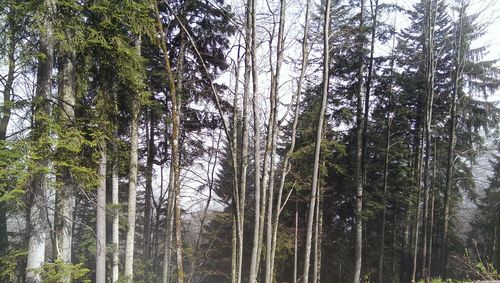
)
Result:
{"points": [[431, 221], [319, 135], [132, 189], [384, 199], [176, 114], [175, 170], [286, 162], [430, 66], [459, 64], [115, 228], [100, 262], [65, 195], [358, 238], [167, 257], [418, 171], [244, 148], [273, 126], [37, 214], [238, 220], [254, 261], [317, 239], [150, 136], [295, 242], [386, 168]]}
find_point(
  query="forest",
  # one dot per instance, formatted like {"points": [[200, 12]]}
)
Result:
{"points": [[248, 141]]}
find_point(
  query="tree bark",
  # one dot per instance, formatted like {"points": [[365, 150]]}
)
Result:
{"points": [[100, 270], [116, 213], [4, 121], [65, 195], [37, 214], [358, 238], [430, 66], [384, 199], [296, 240], [273, 126], [458, 62], [254, 261], [286, 161], [319, 135], [174, 189], [132, 188], [150, 134]]}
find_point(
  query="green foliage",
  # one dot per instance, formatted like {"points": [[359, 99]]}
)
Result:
{"points": [[9, 264], [60, 271]]}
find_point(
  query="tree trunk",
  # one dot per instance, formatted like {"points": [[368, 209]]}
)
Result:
{"points": [[150, 134], [296, 239], [317, 239], [431, 221], [384, 199], [275, 81], [254, 261], [418, 171], [4, 122], [358, 238], [319, 135], [116, 216], [167, 256], [430, 66], [65, 195], [286, 162], [100, 270], [132, 188], [458, 62], [174, 189], [37, 215]]}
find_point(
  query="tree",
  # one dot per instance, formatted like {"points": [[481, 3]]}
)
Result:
{"points": [[319, 136], [39, 189]]}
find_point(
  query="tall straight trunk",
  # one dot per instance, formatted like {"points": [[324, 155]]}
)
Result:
{"points": [[100, 261], [418, 173], [150, 134], [37, 212], [254, 261], [4, 122], [431, 221], [430, 66], [404, 269], [319, 135], [236, 217], [174, 189], [242, 173], [358, 230], [286, 161], [458, 62], [167, 256], [384, 193], [386, 164], [116, 216], [65, 195], [176, 113], [132, 185], [275, 82], [317, 239], [296, 239]]}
